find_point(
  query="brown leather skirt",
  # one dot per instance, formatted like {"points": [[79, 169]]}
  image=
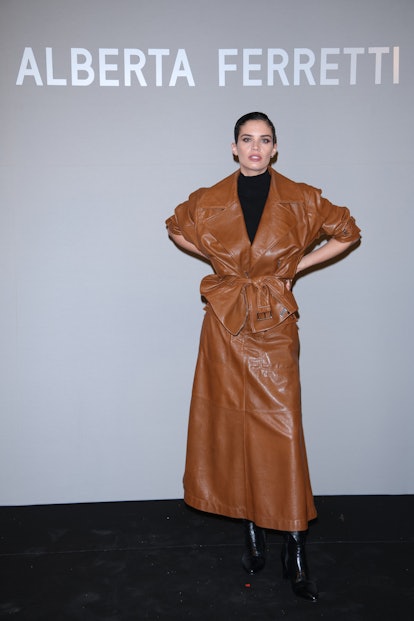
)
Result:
{"points": [[246, 455]]}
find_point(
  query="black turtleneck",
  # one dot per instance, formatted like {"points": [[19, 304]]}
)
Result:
{"points": [[253, 193]]}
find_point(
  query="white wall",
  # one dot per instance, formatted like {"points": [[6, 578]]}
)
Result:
{"points": [[100, 313]]}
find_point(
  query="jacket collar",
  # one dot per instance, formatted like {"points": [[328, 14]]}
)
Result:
{"points": [[226, 220]]}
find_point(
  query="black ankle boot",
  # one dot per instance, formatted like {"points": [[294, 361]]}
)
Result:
{"points": [[295, 566], [254, 558]]}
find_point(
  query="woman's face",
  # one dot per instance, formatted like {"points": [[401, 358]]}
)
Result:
{"points": [[254, 147]]}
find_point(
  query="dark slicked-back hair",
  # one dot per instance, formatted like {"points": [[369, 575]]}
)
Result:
{"points": [[254, 116]]}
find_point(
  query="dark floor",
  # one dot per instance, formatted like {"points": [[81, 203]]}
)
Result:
{"points": [[162, 560]]}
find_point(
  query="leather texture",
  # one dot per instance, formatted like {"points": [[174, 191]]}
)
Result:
{"points": [[246, 455]]}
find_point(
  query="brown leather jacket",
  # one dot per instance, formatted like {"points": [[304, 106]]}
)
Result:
{"points": [[250, 285]]}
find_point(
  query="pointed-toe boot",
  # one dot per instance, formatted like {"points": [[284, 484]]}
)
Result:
{"points": [[295, 566]]}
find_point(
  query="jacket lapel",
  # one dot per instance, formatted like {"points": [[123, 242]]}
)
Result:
{"points": [[226, 223], [276, 222], [222, 216]]}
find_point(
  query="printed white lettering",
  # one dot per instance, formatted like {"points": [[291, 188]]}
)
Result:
{"points": [[378, 51], [251, 67], [50, 79], [130, 67], [77, 66], [28, 67], [223, 66], [83, 72], [181, 69], [325, 66], [396, 66], [248, 67], [353, 52], [158, 64], [279, 67], [104, 67], [299, 66]]}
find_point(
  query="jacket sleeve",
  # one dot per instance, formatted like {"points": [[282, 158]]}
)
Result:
{"points": [[183, 221], [328, 219]]}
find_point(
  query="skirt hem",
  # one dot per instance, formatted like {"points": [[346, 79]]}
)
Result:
{"points": [[269, 522]]}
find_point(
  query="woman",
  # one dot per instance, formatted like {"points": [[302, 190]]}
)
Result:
{"points": [[246, 455]]}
